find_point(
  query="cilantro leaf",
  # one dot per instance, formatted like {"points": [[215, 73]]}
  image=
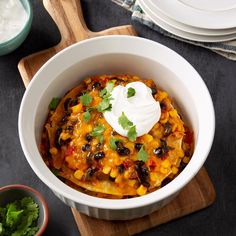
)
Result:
{"points": [[98, 132], [106, 92], [131, 92], [132, 134], [13, 215], [54, 103], [104, 105], [124, 121], [113, 143], [86, 99], [87, 114], [142, 155]]}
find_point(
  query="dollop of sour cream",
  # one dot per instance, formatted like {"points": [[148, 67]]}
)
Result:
{"points": [[141, 109], [13, 17]]}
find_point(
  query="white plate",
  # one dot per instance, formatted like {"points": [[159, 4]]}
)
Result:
{"points": [[184, 27], [210, 14], [181, 33]]}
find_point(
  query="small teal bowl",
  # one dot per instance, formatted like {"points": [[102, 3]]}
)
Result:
{"points": [[15, 42]]}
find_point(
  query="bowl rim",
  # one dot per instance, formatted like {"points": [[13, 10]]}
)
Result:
{"points": [[26, 26], [175, 185], [39, 196]]}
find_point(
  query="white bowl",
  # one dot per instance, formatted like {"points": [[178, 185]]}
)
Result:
{"points": [[112, 55]]}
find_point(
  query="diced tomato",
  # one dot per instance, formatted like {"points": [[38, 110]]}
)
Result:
{"points": [[188, 138], [69, 150], [127, 163]]}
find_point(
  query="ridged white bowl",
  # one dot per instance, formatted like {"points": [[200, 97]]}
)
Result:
{"points": [[117, 55]]}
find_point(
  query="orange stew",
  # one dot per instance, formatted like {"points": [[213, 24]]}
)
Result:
{"points": [[84, 151]]}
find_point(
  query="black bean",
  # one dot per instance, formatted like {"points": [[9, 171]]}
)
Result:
{"points": [[98, 146], [167, 128], [90, 172], [182, 166], [143, 175], [89, 158], [70, 128], [165, 182], [158, 152], [57, 136], [64, 119], [121, 168], [88, 137], [163, 106], [123, 151], [96, 85], [73, 102], [138, 146], [66, 104], [154, 91], [99, 155], [86, 147]]}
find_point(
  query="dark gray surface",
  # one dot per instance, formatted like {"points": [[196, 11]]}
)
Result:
{"points": [[220, 77]]}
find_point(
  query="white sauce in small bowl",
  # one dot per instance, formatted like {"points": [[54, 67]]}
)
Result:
{"points": [[13, 18]]}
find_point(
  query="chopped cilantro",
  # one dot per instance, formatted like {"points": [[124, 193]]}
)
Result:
{"points": [[86, 99], [105, 105], [87, 114], [54, 103], [19, 218], [142, 155], [124, 121], [132, 134], [113, 143], [98, 132], [131, 92]]}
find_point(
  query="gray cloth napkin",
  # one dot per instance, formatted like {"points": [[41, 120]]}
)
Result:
{"points": [[226, 49]]}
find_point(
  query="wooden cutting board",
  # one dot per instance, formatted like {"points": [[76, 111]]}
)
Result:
{"points": [[198, 194]]}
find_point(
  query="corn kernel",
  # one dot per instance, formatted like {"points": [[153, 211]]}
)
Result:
{"points": [[88, 128], [186, 159], [77, 108], [141, 190], [114, 173], [78, 174], [153, 177], [126, 174], [166, 163], [163, 170], [53, 151], [65, 136], [173, 113], [174, 170], [131, 182], [106, 169], [147, 138], [118, 179]]}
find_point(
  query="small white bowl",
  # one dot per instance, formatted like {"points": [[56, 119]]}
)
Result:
{"points": [[117, 55]]}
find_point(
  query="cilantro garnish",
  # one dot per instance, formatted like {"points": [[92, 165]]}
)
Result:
{"points": [[86, 99], [131, 92], [19, 218], [128, 125], [113, 143], [87, 114], [124, 121], [54, 103], [142, 155], [98, 132], [132, 134], [105, 104]]}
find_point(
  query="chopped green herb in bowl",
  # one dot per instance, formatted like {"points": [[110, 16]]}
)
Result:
{"points": [[23, 211]]}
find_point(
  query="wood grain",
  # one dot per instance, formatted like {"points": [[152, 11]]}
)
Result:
{"points": [[198, 194], [68, 16]]}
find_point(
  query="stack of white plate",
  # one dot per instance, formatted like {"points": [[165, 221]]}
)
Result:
{"points": [[198, 20]]}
